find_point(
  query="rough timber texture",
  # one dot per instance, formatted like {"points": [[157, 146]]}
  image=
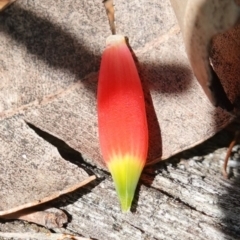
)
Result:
{"points": [[49, 58], [185, 198], [180, 200]]}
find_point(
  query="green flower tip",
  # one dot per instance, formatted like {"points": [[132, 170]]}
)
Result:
{"points": [[125, 171], [126, 202]]}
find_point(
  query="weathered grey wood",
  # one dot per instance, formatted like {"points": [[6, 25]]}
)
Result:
{"points": [[186, 200], [178, 201]]}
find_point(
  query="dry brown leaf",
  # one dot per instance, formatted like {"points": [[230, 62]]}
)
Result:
{"points": [[5, 3], [41, 236], [50, 56], [200, 21], [49, 218], [49, 197]]}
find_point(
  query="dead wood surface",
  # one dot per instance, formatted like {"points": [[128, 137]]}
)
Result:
{"points": [[183, 198], [50, 55]]}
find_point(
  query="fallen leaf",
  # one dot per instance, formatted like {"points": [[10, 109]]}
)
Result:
{"points": [[49, 196], [50, 55], [5, 3], [41, 236], [49, 218], [200, 22]]}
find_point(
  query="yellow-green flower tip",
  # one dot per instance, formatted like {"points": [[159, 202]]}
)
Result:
{"points": [[126, 172]]}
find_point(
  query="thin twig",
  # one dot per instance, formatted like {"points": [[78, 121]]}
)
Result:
{"points": [[108, 4], [232, 144]]}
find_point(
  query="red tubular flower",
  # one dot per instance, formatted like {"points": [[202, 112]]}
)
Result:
{"points": [[122, 121]]}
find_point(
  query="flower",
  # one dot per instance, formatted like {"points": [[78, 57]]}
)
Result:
{"points": [[122, 122]]}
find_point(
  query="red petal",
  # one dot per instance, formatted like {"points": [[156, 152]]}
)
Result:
{"points": [[121, 109]]}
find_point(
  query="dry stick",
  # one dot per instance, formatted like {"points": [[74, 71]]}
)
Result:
{"points": [[232, 144], [108, 4], [41, 236]]}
